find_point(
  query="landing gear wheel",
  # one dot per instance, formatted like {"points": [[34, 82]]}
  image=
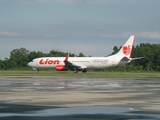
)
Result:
{"points": [[84, 70], [75, 70]]}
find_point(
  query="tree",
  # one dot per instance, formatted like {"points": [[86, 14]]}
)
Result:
{"points": [[2, 65], [20, 57], [115, 50], [150, 52], [32, 55], [81, 54]]}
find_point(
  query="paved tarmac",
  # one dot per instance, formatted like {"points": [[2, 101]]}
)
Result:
{"points": [[79, 97]]}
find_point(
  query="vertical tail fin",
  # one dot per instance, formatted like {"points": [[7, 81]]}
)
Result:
{"points": [[126, 49]]}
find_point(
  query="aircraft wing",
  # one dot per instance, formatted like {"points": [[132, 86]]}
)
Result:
{"points": [[71, 65]]}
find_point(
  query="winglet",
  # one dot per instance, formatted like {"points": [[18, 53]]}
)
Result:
{"points": [[66, 59]]}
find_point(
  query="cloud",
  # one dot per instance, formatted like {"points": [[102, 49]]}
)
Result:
{"points": [[144, 34], [9, 34], [89, 49], [68, 1], [84, 1], [153, 35], [50, 1], [111, 36]]}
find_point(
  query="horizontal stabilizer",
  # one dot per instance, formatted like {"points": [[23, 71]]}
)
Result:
{"points": [[125, 59], [137, 58]]}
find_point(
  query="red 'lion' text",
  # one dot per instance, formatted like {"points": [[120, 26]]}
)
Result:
{"points": [[48, 62]]}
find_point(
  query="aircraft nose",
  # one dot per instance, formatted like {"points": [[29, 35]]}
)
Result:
{"points": [[30, 64]]}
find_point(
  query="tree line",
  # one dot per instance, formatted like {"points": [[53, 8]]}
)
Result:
{"points": [[19, 58]]}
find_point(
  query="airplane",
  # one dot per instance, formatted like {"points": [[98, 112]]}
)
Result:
{"points": [[84, 63]]}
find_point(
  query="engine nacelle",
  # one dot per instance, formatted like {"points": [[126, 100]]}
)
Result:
{"points": [[61, 68]]}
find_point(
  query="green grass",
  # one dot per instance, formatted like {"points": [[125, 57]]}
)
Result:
{"points": [[80, 74]]}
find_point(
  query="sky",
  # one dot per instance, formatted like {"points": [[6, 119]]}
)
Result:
{"points": [[92, 27]]}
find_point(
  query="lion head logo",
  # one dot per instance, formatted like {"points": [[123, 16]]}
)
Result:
{"points": [[126, 50]]}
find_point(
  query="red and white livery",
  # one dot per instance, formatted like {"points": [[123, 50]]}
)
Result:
{"points": [[84, 63]]}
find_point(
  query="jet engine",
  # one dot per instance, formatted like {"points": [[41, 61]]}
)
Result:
{"points": [[61, 68]]}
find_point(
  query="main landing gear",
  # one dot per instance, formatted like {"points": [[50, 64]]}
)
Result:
{"points": [[76, 70], [84, 70]]}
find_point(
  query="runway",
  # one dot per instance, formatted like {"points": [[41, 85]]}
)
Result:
{"points": [[82, 97]]}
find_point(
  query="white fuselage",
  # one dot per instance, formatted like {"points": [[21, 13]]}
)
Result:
{"points": [[86, 62], [83, 63]]}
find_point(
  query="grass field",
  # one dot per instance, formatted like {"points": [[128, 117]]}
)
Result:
{"points": [[88, 74]]}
